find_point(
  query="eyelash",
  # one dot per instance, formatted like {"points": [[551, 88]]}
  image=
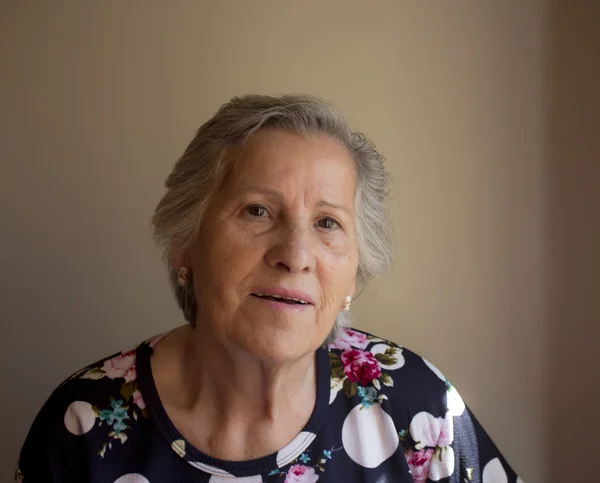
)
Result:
{"points": [[248, 208], [335, 223]]}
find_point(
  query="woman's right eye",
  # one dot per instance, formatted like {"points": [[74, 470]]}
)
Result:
{"points": [[257, 211]]}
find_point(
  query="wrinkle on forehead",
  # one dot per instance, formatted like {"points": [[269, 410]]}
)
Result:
{"points": [[305, 171]]}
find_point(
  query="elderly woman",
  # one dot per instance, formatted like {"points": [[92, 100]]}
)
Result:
{"points": [[273, 220]]}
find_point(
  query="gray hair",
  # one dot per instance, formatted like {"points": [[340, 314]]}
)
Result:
{"points": [[198, 175]]}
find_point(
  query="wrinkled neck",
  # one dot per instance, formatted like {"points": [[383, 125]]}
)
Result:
{"points": [[237, 385]]}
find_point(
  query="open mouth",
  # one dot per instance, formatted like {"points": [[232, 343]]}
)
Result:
{"points": [[279, 298]]}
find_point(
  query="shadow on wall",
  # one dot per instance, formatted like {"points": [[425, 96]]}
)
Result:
{"points": [[574, 223]]}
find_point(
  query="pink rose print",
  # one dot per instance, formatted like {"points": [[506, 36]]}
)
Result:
{"points": [[349, 339], [138, 400], [360, 366], [301, 474], [418, 463], [122, 365]]}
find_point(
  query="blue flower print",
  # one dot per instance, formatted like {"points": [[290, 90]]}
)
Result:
{"points": [[327, 454], [115, 416], [368, 395], [304, 458]]}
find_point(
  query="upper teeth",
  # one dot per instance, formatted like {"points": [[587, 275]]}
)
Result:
{"points": [[281, 297]]}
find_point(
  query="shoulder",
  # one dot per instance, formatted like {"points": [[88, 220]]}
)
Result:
{"points": [[114, 376], [409, 382], [376, 383], [411, 403], [103, 394], [357, 344]]}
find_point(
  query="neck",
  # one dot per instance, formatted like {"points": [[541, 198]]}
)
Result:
{"points": [[228, 403], [234, 381]]}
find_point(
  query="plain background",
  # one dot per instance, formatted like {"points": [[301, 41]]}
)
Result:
{"points": [[488, 113]]}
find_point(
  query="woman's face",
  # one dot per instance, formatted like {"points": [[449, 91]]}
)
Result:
{"points": [[282, 225]]}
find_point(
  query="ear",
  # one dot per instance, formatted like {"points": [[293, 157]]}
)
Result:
{"points": [[180, 258]]}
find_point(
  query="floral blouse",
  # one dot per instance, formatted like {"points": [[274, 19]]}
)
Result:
{"points": [[382, 414]]}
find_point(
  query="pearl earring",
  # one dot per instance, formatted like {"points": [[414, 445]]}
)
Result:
{"points": [[182, 276], [346, 306]]}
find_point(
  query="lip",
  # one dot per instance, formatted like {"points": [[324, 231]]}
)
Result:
{"points": [[283, 292]]}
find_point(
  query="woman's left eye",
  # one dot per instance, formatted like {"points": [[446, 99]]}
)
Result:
{"points": [[327, 223]]}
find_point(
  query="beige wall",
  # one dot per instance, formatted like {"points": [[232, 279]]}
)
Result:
{"points": [[574, 229], [99, 98]]}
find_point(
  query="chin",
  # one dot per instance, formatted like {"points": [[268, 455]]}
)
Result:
{"points": [[280, 345]]}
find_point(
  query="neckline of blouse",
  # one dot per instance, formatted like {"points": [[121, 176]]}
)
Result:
{"points": [[215, 466]]}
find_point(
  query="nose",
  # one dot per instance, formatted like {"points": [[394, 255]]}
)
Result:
{"points": [[292, 250]]}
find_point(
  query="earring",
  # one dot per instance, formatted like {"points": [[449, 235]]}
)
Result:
{"points": [[346, 306], [182, 276]]}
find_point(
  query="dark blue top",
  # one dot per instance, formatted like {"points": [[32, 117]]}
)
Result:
{"points": [[382, 414]]}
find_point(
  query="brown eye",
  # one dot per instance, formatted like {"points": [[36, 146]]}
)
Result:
{"points": [[256, 210], [327, 223]]}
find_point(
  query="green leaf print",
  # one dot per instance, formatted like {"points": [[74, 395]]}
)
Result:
{"points": [[386, 380], [350, 388]]}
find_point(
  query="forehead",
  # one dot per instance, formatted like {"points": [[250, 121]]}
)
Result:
{"points": [[282, 160]]}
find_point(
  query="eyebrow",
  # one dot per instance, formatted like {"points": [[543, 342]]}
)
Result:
{"points": [[279, 196], [334, 205]]}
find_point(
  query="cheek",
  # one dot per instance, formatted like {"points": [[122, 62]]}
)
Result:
{"points": [[338, 275], [226, 245], [336, 244], [225, 259], [343, 255], [340, 246]]}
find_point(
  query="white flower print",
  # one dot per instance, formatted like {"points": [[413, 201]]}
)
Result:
{"points": [[429, 431]]}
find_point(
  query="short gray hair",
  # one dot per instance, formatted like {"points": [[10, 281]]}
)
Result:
{"points": [[198, 175]]}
